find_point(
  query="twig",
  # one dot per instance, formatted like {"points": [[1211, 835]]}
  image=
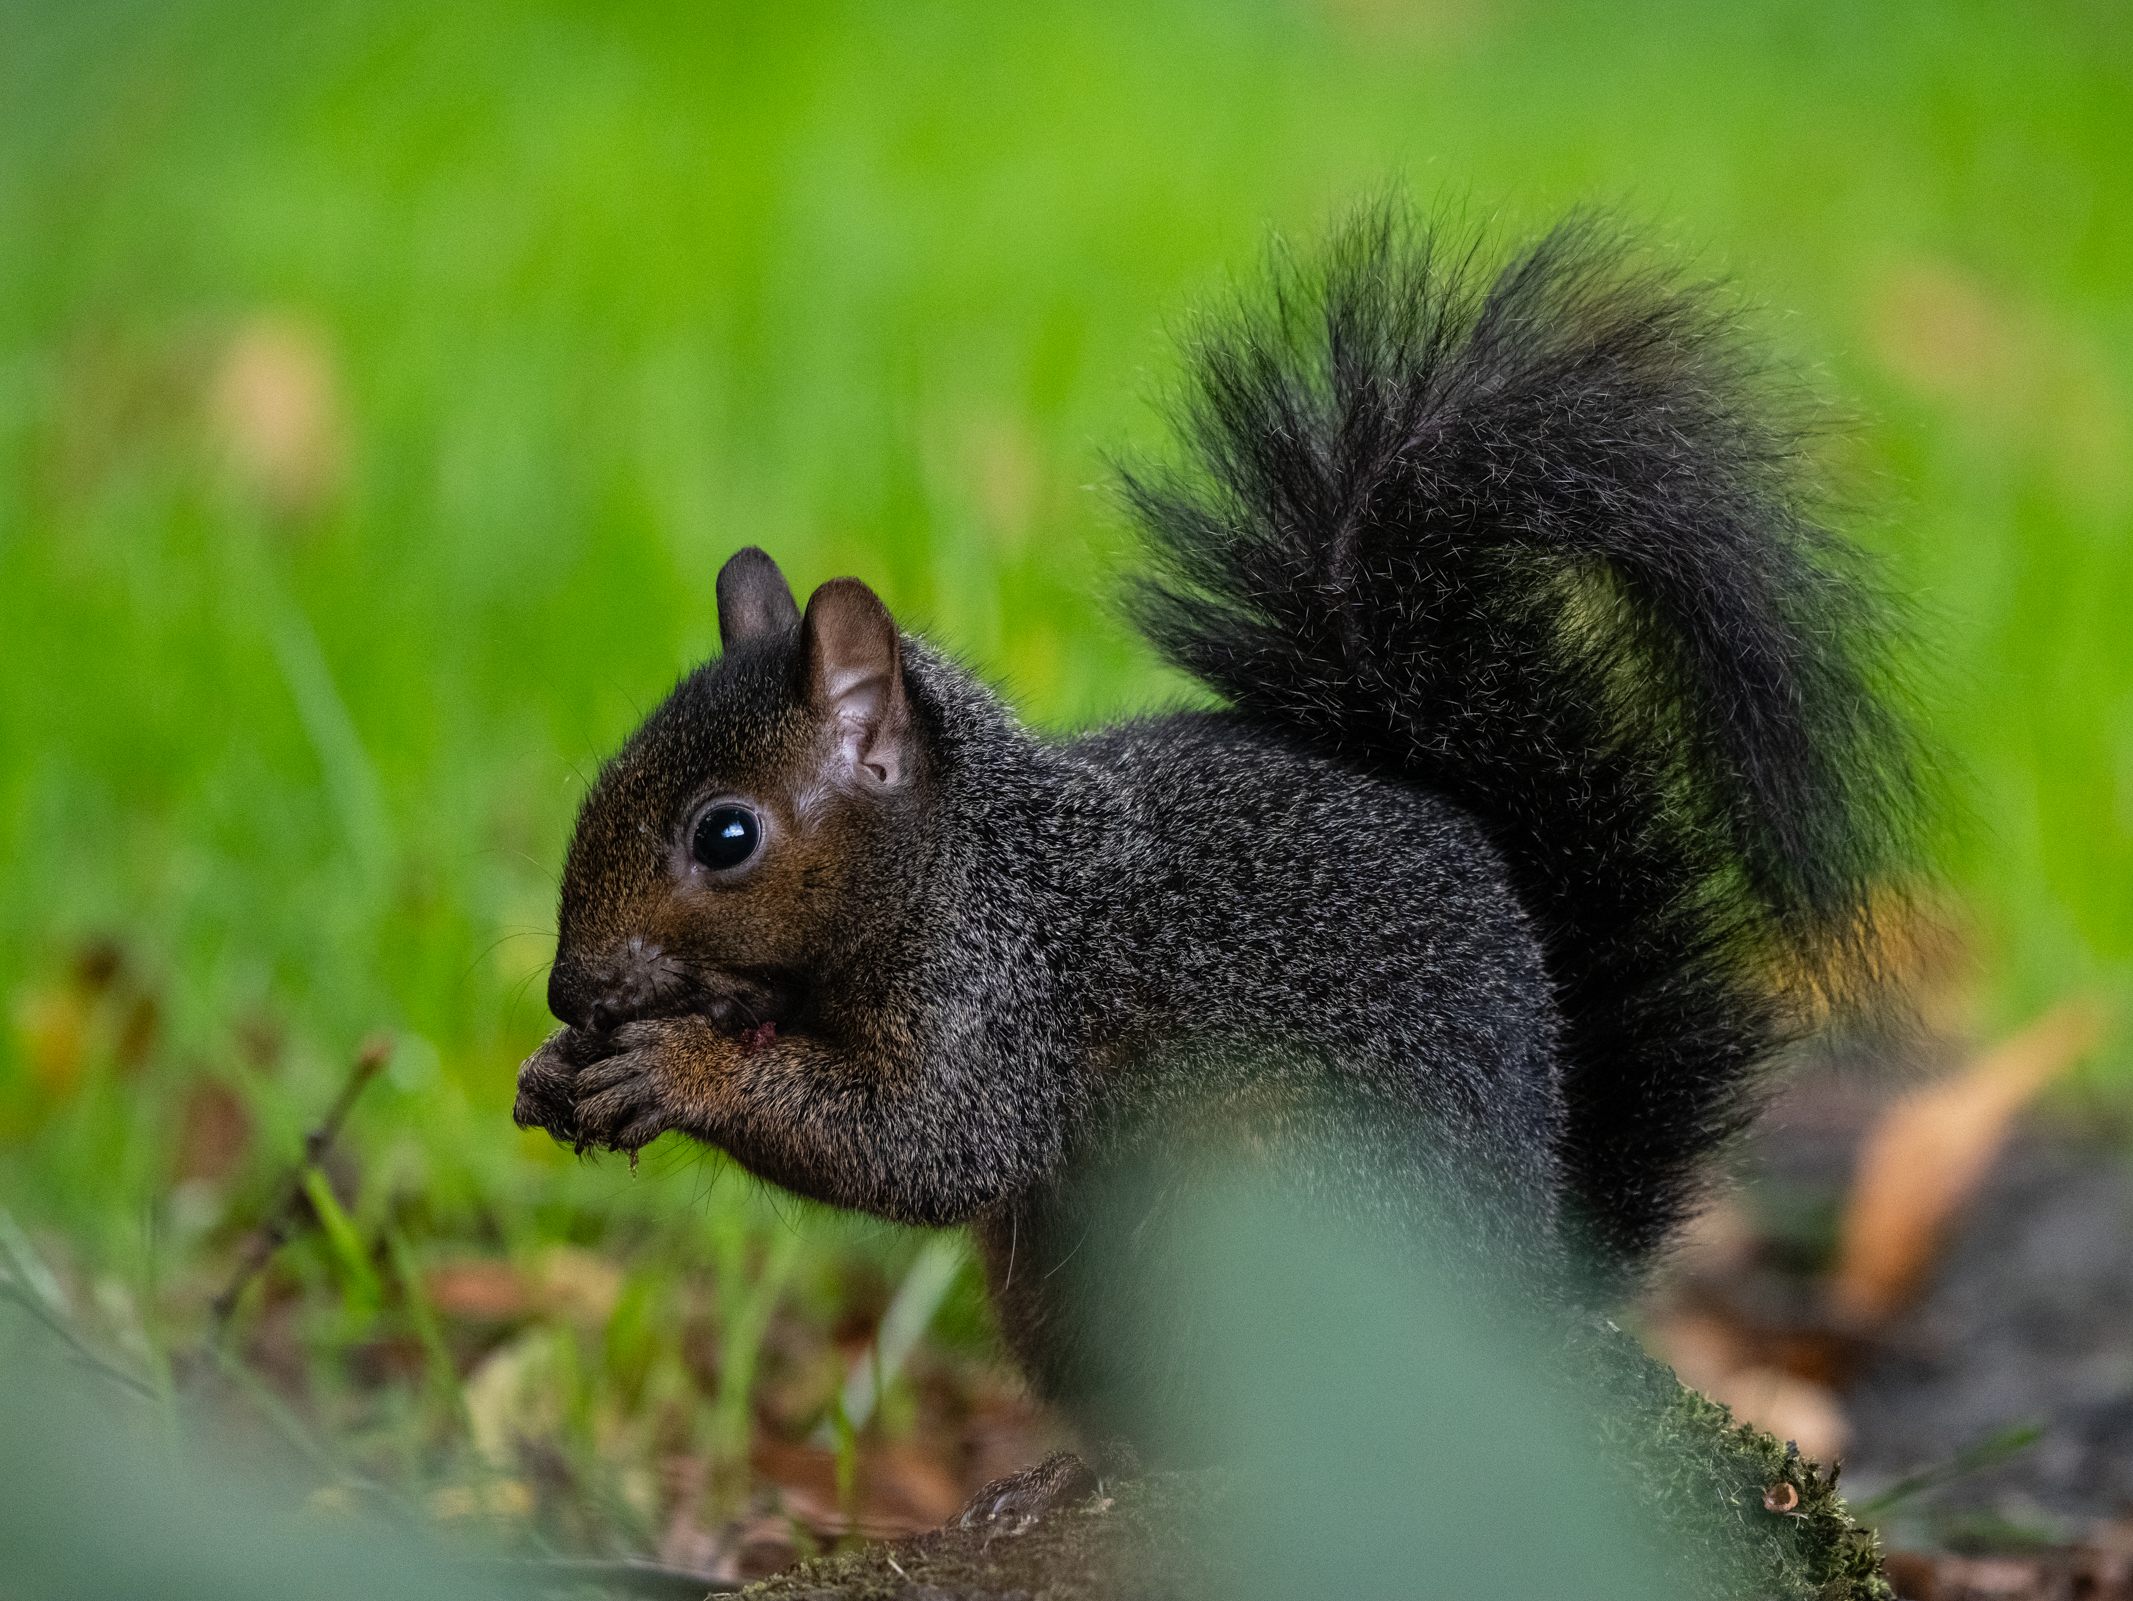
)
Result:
{"points": [[25, 1280], [81, 1350], [274, 1232], [278, 1415]]}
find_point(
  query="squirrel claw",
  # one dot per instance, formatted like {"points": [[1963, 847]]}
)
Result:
{"points": [[544, 1091], [591, 1102]]}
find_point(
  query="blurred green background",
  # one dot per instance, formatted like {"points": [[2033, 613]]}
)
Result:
{"points": [[382, 385]]}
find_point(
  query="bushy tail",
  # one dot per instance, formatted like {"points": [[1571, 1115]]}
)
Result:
{"points": [[1544, 542]]}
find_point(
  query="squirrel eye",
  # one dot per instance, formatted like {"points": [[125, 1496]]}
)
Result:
{"points": [[726, 837]]}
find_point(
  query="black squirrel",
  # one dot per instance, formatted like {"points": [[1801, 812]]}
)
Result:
{"points": [[1550, 793]]}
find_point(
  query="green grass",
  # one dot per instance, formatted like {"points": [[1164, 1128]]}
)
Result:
{"points": [[590, 295]]}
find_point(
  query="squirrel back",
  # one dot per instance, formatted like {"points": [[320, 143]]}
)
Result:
{"points": [[1545, 544]]}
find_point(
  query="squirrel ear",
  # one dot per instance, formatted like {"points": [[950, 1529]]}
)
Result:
{"points": [[853, 661], [753, 598]]}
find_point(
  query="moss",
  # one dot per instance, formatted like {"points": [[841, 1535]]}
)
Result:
{"points": [[1705, 1484], [1138, 1543], [1698, 1479]]}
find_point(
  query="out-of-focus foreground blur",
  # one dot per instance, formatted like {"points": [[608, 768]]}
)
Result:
{"points": [[382, 385]]}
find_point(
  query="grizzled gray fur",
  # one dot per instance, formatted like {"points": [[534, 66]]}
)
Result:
{"points": [[1550, 781]]}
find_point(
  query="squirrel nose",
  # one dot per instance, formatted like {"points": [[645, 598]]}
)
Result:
{"points": [[601, 995]]}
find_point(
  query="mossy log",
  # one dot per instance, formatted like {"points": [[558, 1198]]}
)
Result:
{"points": [[1729, 1510]]}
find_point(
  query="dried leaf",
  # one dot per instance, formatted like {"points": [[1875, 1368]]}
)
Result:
{"points": [[1702, 1348], [54, 1026], [578, 1285], [903, 1482], [1929, 1153], [2011, 370], [902, 1489], [215, 1131], [515, 1394], [1788, 1406], [2013, 1578], [277, 406], [489, 1291]]}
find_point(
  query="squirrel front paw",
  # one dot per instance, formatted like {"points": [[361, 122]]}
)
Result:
{"points": [[616, 1090], [544, 1087]]}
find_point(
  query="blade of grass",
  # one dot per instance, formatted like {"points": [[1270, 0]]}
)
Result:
{"points": [[359, 1280], [925, 1285], [279, 1224], [1994, 1448], [744, 1326], [442, 1372]]}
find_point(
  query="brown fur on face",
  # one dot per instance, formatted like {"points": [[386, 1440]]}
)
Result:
{"points": [[803, 722]]}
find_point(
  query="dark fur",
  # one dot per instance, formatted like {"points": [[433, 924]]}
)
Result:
{"points": [[1548, 769], [1545, 547]]}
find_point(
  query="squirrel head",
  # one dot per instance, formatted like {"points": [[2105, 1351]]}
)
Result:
{"points": [[723, 854]]}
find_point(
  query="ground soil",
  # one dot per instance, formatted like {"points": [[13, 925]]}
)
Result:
{"points": [[2026, 1319], [1993, 1416]]}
